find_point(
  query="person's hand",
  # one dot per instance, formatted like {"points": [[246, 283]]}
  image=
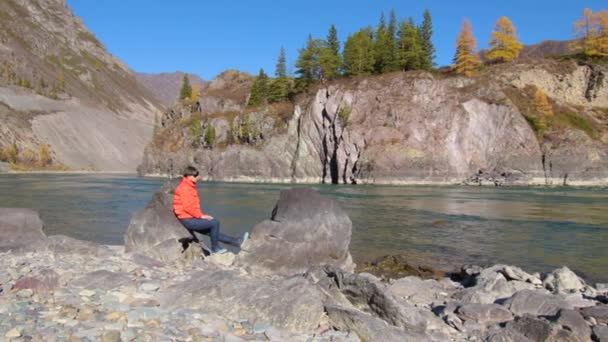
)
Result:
{"points": [[207, 217]]}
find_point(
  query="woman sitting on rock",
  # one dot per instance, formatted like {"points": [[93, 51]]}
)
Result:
{"points": [[187, 208]]}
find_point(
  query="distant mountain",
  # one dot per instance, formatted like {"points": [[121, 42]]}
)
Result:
{"points": [[166, 86], [546, 48], [63, 96]]}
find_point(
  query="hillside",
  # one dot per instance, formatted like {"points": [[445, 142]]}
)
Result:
{"points": [[412, 127], [165, 86], [64, 100]]}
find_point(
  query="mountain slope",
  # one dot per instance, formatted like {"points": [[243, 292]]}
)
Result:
{"points": [[60, 88], [166, 86]]}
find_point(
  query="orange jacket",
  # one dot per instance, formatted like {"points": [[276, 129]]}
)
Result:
{"points": [[185, 202]]}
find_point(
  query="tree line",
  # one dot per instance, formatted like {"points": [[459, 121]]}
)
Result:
{"points": [[402, 46]]}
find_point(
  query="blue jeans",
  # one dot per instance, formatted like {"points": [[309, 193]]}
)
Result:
{"points": [[211, 228]]}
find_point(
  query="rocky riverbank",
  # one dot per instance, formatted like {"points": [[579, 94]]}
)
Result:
{"points": [[292, 281]]}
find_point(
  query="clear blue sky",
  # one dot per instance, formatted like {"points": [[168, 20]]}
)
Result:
{"points": [[207, 37]]}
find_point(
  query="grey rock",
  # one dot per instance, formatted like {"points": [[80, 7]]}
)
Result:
{"points": [[563, 280], [103, 280], [536, 303], [149, 287], [489, 286], [600, 333], [372, 296], [531, 327], [19, 227], [111, 336], [292, 304], [516, 273], [306, 229], [599, 312], [155, 231], [60, 244], [45, 281], [368, 327], [484, 313], [573, 321], [505, 335], [418, 291]]}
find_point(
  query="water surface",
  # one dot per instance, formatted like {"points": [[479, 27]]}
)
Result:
{"points": [[444, 226]]}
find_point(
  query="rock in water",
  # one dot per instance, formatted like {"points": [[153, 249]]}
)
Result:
{"points": [[19, 227], [306, 229], [155, 231]]}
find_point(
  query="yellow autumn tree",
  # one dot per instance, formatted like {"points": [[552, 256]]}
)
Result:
{"points": [[196, 93], [591, 34], [541, 103], [466, 61], [504, 45]]}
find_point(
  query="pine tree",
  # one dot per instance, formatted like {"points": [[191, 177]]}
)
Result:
{"points": [[504, 46], [279, 87], [359, 53], [308, 65], [411, 51], [281, 70], [186, 91], [210, 135], [259, 90], [384, 47], [426, 34], [329, 55], [466, 61]]}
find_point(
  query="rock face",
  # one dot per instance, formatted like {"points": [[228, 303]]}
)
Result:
{"points": [[19, 228], [155, 231], [306, 229], [413, 127], [166, 86], [292, 304], [60, 88]]}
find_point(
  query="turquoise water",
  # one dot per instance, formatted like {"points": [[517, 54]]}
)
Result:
{"points": [[442, 226]]}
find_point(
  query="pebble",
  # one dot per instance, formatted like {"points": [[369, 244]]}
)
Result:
{"points": [[15, 332], [25, 293], [149, 287], [86, 293]]}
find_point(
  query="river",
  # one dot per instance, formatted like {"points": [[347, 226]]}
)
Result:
{"points": [[442, 226]]}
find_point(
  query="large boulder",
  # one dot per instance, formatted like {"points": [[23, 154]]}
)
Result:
{"points": [[19, 228], [155, 231], [292, 304], [305, 230]]}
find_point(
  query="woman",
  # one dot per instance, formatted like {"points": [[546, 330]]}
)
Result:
{"points": [[187, 208]]}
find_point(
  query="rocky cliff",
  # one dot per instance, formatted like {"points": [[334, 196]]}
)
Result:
{"points": [[63, 98], [403, 128]]}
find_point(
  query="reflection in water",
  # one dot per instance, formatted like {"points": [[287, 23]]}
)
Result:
{"points": [[538, 228]]}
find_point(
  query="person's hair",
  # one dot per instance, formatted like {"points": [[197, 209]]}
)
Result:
{"points": [[191, 171]]}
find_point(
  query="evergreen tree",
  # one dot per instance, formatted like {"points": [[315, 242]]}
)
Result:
{"points": [[308, 65], [259, 90], [279, 87], [329, 55], [384, 48], [466, 61], [186, 91], [504, 46], [426, 34], [359, 53], [411, 51], [210, 135], [281, 70]]}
